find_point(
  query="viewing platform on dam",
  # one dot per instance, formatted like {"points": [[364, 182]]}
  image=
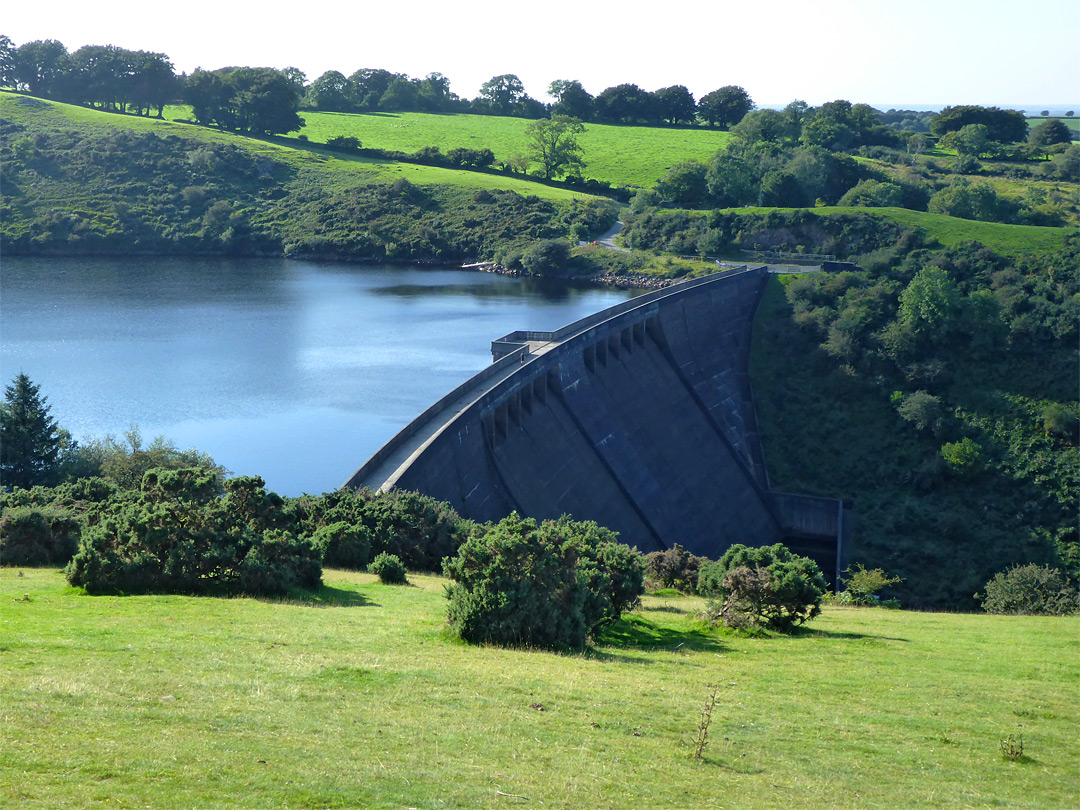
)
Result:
{"points": [[639, 417]]}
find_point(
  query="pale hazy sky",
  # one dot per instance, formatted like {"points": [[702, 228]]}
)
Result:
{"points": [[906, 53]]}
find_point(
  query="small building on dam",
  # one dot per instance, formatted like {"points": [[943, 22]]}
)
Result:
{"points": [[640, 417]]}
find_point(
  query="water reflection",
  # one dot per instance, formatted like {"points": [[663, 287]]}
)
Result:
{"points": [[294, 371]]}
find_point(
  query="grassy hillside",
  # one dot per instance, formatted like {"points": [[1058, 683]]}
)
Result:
{"points": [[844, 231], [356, 697], [620, 155], [80, 181]]}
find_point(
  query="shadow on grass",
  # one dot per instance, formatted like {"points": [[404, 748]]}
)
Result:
{"points": [[326, 596], [813, 632], [637, 633]]}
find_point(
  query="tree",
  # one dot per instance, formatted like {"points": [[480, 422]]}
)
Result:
{"points": [[367, 86], [328, 92], [873, 193], [154, 84], [968, 200], [971, 139], [1006, 126], [552, 142], [208, 96], [40, 66], [7, 61], [763, 125], [930, 303], [1050, 132], [685, 184], [731, 180], [624, 103], [501, 94], [571, 99], [30, 439], [675, 104], [433, 93], [725, 107]]}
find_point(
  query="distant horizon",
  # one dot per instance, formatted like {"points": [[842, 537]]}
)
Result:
{"points": [[832, 49]]}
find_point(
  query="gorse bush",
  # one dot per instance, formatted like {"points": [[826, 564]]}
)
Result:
{"points": [[769, 587], [179, 535], [37, 535], [418, 529], [673, 568], [549, 585], [1031, 589], [343, 545], [389, 569]]}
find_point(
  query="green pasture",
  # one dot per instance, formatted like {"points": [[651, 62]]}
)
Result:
{"points": [[332, 167], [355, 696], [621, 155], [1008, 240], [1072, 123]]}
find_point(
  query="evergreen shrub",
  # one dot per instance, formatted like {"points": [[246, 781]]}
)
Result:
{"points": [[37, 535], [769, 587], [1030, 590], [550, 585], [343, 545], [178, 534], [673, 568], [389, 569]]}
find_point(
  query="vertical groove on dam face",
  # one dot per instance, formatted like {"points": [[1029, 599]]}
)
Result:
{"points": [[640, 421]]}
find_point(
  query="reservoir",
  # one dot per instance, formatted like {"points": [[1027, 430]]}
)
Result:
{"points": [[291, 370]]}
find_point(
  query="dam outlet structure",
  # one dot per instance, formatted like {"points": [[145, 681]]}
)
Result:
{"points": [[639, 417]]}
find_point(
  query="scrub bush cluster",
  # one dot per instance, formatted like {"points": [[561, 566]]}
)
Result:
{"points": [[553, 584]]}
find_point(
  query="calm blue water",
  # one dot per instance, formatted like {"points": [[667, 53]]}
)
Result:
{"points": [[290, 370]]}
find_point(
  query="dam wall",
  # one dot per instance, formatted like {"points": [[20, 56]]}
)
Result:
{"points": [[639, 417]]}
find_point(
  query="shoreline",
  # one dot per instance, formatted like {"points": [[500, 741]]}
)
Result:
{"points": [[635, 282]]}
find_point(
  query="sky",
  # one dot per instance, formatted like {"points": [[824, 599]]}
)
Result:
{"points": [[911, 54]]}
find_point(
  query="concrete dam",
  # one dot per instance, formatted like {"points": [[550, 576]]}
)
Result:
{"points": [[639, 417]]}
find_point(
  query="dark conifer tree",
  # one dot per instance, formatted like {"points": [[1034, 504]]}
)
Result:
{"points": [[30, 439]]}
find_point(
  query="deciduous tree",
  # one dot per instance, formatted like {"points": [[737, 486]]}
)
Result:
{"points": [[571, 99], [725, 107], [552, 142], [501, 94]]}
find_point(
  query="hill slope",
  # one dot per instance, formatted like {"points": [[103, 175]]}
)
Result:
{"points": [[80, 181]]}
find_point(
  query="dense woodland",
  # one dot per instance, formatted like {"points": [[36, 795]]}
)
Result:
{"points": [[934, 385]]}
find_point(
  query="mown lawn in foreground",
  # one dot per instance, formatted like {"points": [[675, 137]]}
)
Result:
{"points": [[358, 698]]}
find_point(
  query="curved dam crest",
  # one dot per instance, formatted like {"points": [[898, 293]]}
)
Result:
{"points": [[639, 417]]}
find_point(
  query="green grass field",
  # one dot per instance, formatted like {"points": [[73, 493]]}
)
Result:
{"points": [[621, 155], [1072, 123], [358, 698], [332, 167], [1008, 240]]}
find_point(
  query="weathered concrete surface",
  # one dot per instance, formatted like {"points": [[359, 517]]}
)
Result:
{"points": [[639, 418]]}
